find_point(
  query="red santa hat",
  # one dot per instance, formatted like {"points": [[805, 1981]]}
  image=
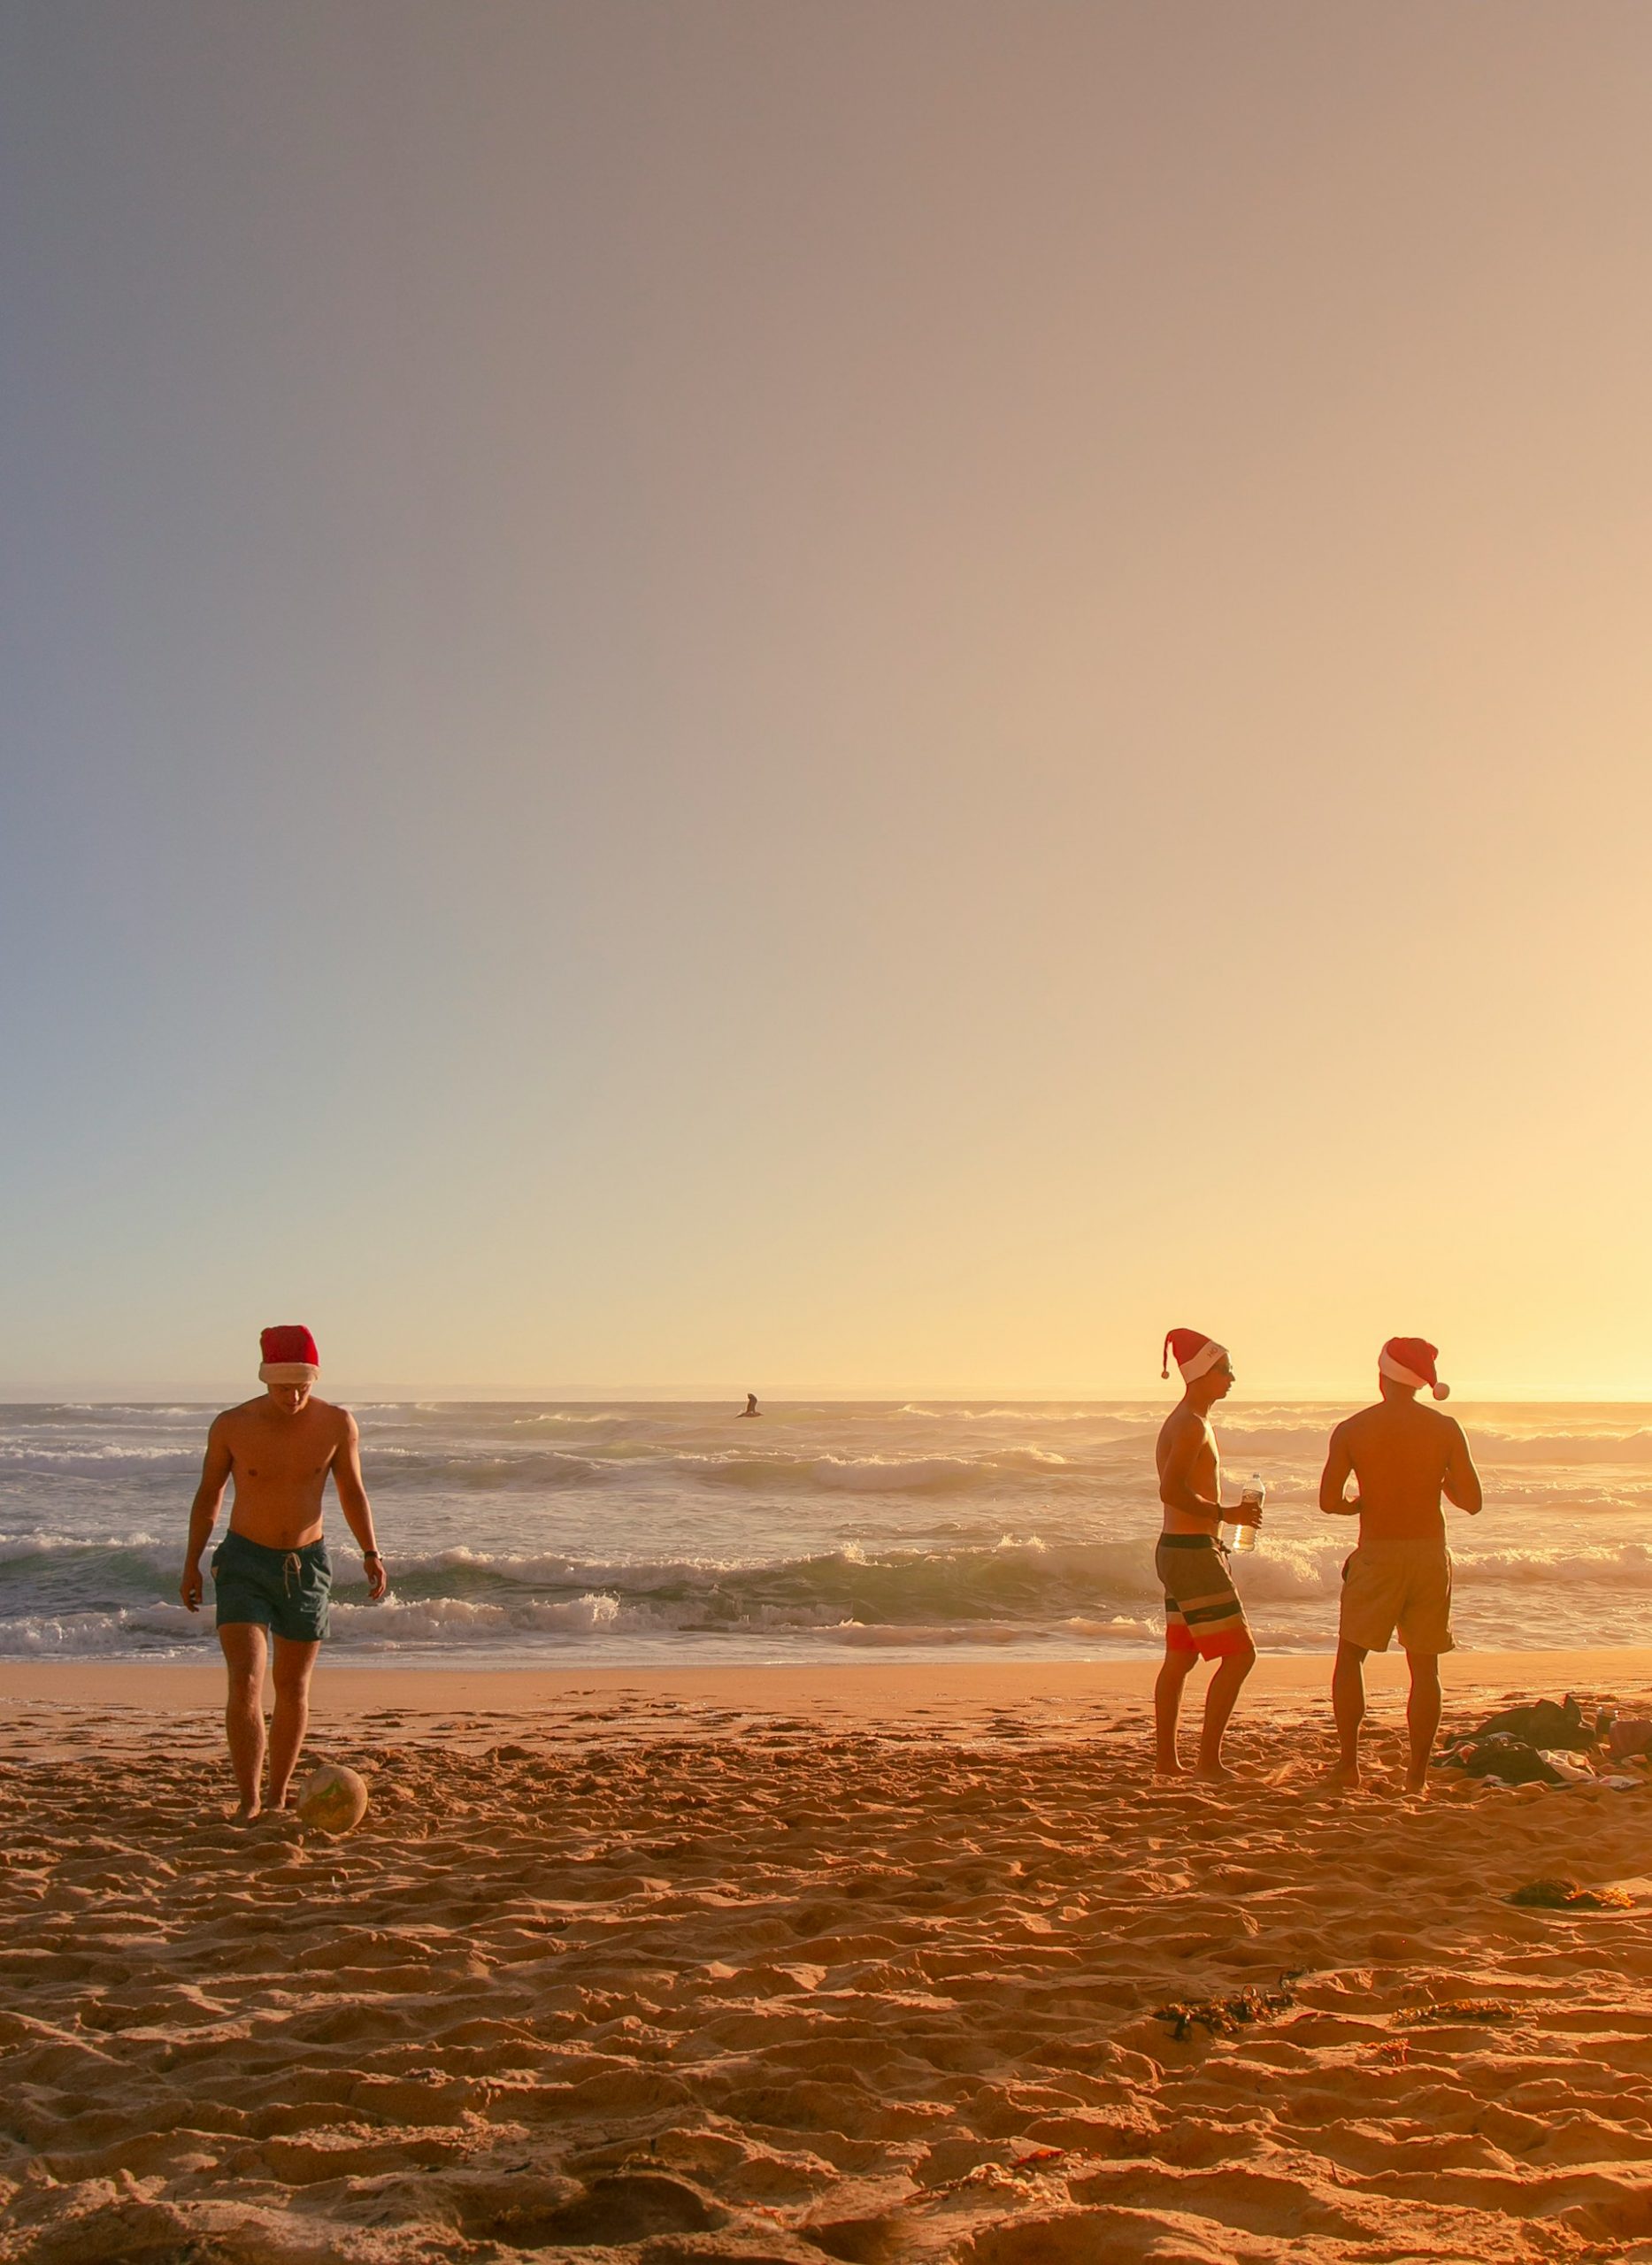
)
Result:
{"points": [[1196, 1355], [289, 1354], [1411, 1360]]}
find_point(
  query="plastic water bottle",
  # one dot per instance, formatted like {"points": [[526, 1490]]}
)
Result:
{"points": [[1241, 1532]]}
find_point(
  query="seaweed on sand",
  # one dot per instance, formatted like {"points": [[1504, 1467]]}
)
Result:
{"points": [[1226, 2016], [1567, 1895]]}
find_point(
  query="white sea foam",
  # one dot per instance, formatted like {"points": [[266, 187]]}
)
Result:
{"points": [[890, 1636], [155, 1627], [97, 1460]]}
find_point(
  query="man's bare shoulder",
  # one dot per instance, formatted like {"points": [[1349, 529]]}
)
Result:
{"points": [[1183, 1418], [1352, 1427], [324, 1419], [237, 1418]]}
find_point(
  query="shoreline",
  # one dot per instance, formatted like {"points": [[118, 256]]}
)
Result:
{"points": [[859, 1688]]}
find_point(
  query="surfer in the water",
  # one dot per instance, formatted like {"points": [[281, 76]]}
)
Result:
{"points": [[272, 1572], [751, 1407]]}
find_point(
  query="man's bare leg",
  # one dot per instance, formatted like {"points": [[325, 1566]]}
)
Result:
{"points": [[243, 1646], [1226, 1684], [291, 1718], [1421, 1716], [1167, 1691], [1348, 1704]]}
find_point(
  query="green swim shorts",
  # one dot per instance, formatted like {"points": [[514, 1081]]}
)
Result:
{"points": [[286, 1591]]}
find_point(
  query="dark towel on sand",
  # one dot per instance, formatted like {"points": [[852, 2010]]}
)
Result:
{"points": [[1503, 1756], [1545, 1725]]}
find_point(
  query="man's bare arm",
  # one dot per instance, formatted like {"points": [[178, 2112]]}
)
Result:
{"points": [[1333, 1478], [1175, 1486], [1462, 1482], [352, 1500], [209, 1497]]}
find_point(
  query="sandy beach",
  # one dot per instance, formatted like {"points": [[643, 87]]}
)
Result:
{"points": [[863, 1963]]}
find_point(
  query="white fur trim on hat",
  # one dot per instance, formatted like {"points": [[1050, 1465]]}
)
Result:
{"points": [[1397, 1372], [288, 1373]]}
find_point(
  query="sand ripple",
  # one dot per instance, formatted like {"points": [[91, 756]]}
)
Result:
{"points": [[764, 1992]]}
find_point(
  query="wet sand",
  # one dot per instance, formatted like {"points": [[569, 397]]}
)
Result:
{"points": [[861, 1964]]}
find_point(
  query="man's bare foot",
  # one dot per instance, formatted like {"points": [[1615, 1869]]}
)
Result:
{"points": [[1212, 1773], [247, 1813], [1417, 1781], [1346, 1776], [1170, 1769]]}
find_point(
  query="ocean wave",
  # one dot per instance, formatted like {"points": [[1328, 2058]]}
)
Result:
{"points": [[76, 1459], [497, 1473], [1563, 1447], [1021, 1590], [104, 1411], [872, 1474], [1296, 1442], [18, 1549], [157, 1627], [407, 1620], [1013, 1560], [1098, 1418], [1019, 1576], [1621, 1565], [1019, 1579], [546, 1418]]}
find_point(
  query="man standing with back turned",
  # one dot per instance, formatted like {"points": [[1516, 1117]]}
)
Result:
{"points": [[1404, 1457], [272, 1570], [1203, 1618]]}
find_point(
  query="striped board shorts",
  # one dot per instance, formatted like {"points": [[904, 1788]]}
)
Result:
{"points": [[1202, 1613]]}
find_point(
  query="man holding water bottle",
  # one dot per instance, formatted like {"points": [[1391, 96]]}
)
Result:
{"points": [[1203, 1617], [1404, 1457]]}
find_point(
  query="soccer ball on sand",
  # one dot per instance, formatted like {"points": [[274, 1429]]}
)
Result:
{"points": [[333, 1800]]}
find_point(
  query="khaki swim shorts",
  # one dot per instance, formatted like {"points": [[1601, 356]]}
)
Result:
{"points": [[1404, 1584]]}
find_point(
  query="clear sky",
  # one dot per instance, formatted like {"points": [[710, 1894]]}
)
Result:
{"points": [[831, 697]]}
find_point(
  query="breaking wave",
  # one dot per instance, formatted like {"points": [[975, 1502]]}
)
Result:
{"points": [[77, 1594]]}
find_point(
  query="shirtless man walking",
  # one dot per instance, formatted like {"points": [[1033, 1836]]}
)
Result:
{"points": [[272, 1572], [1203, 1617], [1404, 1458]]}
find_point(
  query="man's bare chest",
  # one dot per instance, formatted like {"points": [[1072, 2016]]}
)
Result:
{"points": [[281, 1463]]}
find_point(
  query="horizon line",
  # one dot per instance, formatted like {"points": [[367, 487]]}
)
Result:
{"points": [[371, 1392]]}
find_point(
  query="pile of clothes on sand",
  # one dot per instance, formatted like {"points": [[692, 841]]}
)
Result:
{"points": [[1550, 1743]]}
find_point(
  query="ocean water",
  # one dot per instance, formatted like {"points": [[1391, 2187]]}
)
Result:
{"points": [[625, 1534]]}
